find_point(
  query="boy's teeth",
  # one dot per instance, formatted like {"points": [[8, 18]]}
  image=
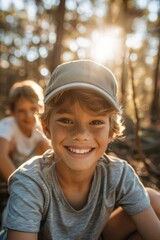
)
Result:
{"points": [[79, 151]]}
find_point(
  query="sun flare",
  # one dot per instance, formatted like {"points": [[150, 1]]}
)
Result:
{"points": [[105, 46]]}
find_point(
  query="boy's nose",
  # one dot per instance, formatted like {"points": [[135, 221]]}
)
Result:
{"points": [[80, 132], [29, 113]]}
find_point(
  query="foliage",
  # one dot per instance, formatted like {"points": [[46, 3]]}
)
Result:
{"points": [[36, 35]]}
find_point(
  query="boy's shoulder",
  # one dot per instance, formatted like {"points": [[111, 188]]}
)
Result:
{"points": [[37, 165], [112, 160], [35, 173], [8, 128], [114, 165], [10, 120]]}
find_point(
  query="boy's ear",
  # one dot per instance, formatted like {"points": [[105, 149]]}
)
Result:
{"points": [[46, 130], [111, 136]]}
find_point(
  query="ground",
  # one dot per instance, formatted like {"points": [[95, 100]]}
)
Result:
{"points": [[147, 165]]}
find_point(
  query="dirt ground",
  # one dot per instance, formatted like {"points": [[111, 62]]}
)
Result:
{"points": [[147, 167]]}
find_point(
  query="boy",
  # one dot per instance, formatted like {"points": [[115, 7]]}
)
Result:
{"points": [[71, 191], [21, 134]]}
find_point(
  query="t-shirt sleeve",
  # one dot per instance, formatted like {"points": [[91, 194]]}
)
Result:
{"points": [[131, 194], [6, 130], [26, 203]]}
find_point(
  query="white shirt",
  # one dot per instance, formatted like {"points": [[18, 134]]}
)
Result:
{"points": [[24, 146]]}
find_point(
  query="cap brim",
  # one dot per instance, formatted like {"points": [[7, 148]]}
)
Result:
{"points": [[78, 85]]}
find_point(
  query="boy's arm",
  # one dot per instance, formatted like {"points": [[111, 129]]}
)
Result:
{"points": [[15, 235], [121, 225], [147, 224], [6, 165]]}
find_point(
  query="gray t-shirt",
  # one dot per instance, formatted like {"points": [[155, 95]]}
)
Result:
{"points": [[37, 202]]}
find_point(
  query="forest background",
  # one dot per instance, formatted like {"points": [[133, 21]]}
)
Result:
{"points": [[124, 35]]}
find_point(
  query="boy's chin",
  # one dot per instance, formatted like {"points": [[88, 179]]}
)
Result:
{"points": [[27, 126]]}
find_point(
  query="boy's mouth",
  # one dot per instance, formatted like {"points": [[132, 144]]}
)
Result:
{"points": [[79, 151]]}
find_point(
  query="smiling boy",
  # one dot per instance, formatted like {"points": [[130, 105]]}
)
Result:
{"points": [[71, 191]]}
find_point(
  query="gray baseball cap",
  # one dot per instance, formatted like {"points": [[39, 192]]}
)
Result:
{"points": [[83, 74]]}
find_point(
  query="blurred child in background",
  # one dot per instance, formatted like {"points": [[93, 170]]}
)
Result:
{"points": [[21, 135]]}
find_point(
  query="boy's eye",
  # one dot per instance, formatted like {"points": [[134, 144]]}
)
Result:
{"points": [[65, 120], [27, 112], [96, 122]]}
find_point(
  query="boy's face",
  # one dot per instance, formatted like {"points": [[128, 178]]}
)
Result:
{"points": [[79, 136], [24, 111]]}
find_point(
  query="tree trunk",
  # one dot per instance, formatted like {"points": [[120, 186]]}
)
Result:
{"points": [[156, 93], [55, 57], [137, 126], [123, 82]]}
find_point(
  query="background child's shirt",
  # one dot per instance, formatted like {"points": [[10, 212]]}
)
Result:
{"points": [[23, 146], [39, 205]]}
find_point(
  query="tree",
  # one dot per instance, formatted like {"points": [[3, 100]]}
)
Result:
{"points": [[155, 104], [55, 55]]}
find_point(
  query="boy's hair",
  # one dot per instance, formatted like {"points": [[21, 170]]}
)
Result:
{"points": [[27, 89], [90, 100]]}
